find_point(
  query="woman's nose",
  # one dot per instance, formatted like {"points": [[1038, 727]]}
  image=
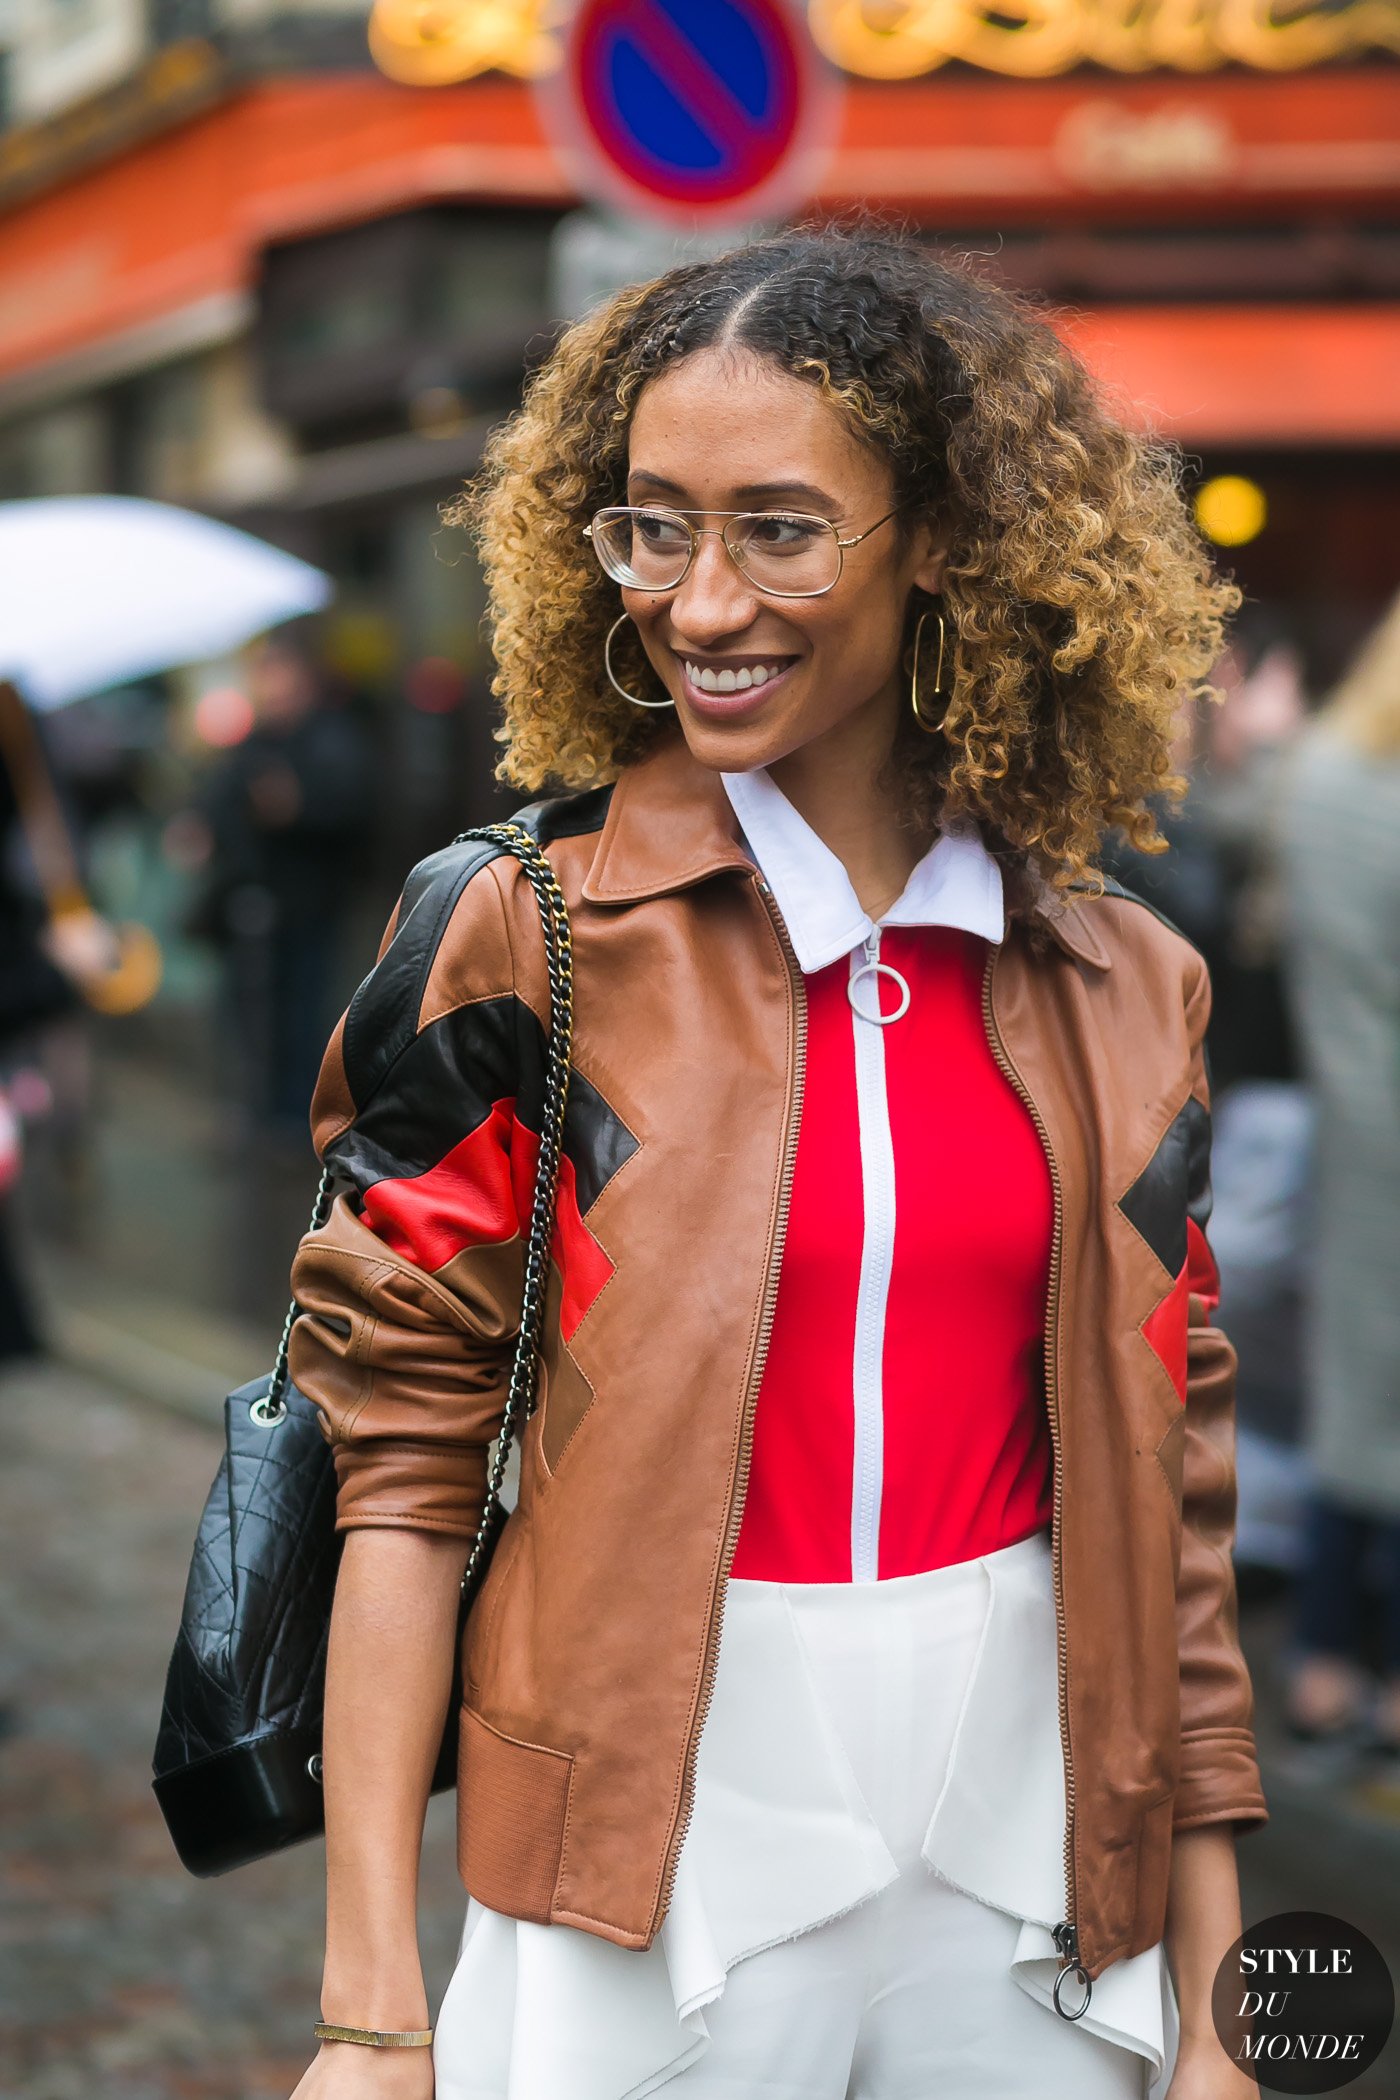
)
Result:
{"points": [[716, 597]]}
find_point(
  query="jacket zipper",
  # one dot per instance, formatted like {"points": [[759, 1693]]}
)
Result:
{"points": [[739, 1485], [876, 1263], [1065, 1934]]}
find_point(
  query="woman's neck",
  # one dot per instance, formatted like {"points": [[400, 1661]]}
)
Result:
{"points": [[834, 783]]}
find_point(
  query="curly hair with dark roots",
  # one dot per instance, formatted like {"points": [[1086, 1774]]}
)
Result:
{"points": [[1086, 611]]}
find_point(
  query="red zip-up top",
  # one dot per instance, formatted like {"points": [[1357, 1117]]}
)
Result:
{"points": [[901, 1420]]}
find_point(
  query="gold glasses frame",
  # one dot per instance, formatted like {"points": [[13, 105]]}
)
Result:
{"points": [[721, 532]]}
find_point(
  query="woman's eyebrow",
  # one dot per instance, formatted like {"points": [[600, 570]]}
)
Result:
{"points": [[751, 491]]}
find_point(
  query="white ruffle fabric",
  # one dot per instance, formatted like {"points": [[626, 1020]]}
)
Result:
{"points": [[943, 1682]]}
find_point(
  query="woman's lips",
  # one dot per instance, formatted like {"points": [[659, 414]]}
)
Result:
{"points": [[727, 707]]}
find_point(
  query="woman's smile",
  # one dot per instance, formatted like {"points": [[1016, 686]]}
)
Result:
{"points": [[723, 687]]}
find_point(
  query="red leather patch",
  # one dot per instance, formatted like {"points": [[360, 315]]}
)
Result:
{"points": [[582, 1263], [478, 1194], [1201, 1270], [1165, 1328]]}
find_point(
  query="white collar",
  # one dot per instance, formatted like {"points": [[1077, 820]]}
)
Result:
{"points": [[957, 883]]}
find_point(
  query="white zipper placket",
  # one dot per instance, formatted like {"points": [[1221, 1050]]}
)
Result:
{"points": [[876, 1264]]}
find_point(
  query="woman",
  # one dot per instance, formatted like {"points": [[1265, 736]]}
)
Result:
{"points": [[1339, 839], [879, 1333]]}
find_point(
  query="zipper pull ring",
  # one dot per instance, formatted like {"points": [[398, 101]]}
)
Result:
{"points": [[1066, 1938], [873, 967]]}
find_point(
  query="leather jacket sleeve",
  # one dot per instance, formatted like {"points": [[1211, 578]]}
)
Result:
{"points": [[410, 1291], [1219, 1768]]}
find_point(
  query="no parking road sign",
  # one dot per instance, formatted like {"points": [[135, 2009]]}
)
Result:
{"points": [[693, 110]]}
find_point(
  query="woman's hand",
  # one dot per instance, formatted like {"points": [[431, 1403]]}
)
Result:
{"points": [[350, 2071], [1203, 1920], [1204, 2072]]}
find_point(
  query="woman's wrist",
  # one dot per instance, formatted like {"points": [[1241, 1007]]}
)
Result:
{"points": [[392, 1998]]}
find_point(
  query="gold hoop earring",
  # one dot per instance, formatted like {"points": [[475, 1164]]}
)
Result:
{"points": [[940, 690], [612, 675]]}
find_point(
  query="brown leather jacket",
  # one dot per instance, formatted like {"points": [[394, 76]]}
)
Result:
{"points": [[590, 1652]]}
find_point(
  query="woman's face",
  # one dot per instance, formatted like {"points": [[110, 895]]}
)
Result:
{"points": [[727, 431]]}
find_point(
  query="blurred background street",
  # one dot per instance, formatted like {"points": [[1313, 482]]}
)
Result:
{"points": [[281, 267]]}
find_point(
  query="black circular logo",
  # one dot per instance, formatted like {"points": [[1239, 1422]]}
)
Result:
{"points": [[1303, 2003]]}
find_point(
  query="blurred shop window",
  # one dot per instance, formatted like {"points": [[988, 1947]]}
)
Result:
{"points": [[350, 321], [490, 291], [194, 432], [62, 452], [173, 19], [156, 430]]}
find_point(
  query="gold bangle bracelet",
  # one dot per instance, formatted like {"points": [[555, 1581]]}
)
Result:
{"points": [[375, 2038]]}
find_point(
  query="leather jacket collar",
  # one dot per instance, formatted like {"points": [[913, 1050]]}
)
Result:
{"points": [[670, 825]]}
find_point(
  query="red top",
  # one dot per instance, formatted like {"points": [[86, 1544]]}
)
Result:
{"points": [[934, 1411]]}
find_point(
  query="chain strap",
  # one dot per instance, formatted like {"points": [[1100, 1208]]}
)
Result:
{"points": [[559, 951], [520, 1400]]}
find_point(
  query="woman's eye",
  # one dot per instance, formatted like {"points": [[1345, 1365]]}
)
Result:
{"points": [[661, 534], [779, 535]]}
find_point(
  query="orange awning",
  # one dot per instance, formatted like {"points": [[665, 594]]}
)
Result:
{"points": [[1251, 375], [171, 235]]}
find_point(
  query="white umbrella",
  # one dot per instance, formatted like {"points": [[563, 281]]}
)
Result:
{"points": [[95, 590]]}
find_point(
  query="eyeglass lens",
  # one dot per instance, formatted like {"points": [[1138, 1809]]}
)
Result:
{"points": [[649, 550]]}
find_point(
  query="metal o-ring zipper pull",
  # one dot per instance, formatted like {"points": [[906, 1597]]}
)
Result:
{"points": [[873, 967], [1066, 1938]]}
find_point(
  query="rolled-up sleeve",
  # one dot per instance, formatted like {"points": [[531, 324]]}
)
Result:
{"points": [[1219, 1780], [409, 1294], [410, 1377]]}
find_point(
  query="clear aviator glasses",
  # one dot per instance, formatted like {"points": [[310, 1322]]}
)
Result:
{"points": [[784, 553]]}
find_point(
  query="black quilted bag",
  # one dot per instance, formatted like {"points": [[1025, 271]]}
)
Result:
{"points": [[238, 1756]]}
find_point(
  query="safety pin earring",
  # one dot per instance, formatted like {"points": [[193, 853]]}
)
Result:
{"points": [[940, 691], [612, 675]]}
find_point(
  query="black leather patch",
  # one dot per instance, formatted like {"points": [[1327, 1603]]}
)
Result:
{"points": [[1173, 1186], [384, 1011], [442, 1086]]}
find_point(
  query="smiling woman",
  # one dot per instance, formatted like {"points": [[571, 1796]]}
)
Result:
{"points": [[846, 376], [853, 1707]]}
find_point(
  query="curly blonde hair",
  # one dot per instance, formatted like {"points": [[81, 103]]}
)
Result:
{"points": [[1086, 611]]}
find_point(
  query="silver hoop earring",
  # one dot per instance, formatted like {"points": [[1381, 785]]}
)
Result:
{"points": [[612, 675]]}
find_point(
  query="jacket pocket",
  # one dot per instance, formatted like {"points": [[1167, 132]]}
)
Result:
{"points": [[512, 1812]]}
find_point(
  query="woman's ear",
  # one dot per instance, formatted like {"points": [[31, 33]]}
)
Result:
{"points": [[932, 558]]}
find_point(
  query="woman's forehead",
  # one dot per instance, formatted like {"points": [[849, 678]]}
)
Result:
{"points": [[739, 421]]}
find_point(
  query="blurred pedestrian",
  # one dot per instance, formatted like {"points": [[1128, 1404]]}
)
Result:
{"points": [[34, 990], [285, 815], [847, 618], [1340, 840]]}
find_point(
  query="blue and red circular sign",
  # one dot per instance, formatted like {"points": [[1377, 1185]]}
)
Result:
{"points": [[693, 109]]}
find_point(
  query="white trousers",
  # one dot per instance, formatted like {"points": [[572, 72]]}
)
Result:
{"points": [[862, 1902], [907, 1997]]}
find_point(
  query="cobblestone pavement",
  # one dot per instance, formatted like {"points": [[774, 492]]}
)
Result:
{"points": [[122, 1977]]}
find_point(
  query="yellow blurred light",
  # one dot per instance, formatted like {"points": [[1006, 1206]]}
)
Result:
{"points": [[432, 43], [362, 645], [1231, 510]]}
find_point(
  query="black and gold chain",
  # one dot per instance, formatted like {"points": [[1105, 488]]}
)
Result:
{"points": [[520, 1400]]}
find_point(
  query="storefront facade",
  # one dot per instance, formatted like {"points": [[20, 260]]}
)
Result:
{"points": [[299, 299]]}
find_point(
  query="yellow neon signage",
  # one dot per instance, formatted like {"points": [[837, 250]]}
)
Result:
{"points": [[428, 43], [900, 39], [432, 42]]}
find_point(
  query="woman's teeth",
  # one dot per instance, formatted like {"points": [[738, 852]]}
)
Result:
{"points": [[730, 681]]}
